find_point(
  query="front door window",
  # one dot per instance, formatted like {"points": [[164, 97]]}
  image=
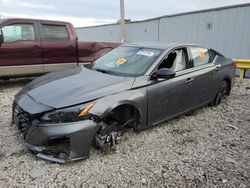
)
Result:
{"points": [[175, 61], [17, 32]]}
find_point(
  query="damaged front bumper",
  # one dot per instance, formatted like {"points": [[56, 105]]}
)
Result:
{"points": [[61, 142], [58, 142]]}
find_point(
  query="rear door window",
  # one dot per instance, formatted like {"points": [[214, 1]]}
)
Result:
{"points": [[202, 56], [55, 32], [17, 32]]}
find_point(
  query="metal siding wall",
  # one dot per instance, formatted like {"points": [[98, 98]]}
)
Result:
{"points": [[245, 47], [100, 34], [230, 32], [144, 31]]}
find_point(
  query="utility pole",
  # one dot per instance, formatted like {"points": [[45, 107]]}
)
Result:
{"points": [[122, 21]]}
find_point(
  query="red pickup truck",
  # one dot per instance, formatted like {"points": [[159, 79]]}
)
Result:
{"points": [[31, 47]]}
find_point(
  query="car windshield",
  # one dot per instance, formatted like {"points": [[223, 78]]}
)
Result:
{"points": [[127, 61]]}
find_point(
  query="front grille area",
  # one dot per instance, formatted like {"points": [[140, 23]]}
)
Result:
{"points": [[22, 119]]}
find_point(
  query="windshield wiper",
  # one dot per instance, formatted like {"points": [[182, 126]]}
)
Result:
{"points": [[104, 71]]}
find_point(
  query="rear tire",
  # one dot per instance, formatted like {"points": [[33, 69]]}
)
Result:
{"points": [[223, 91]]}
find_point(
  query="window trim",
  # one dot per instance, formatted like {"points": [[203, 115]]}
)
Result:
{"points": [[51, 24], [193, 69], [20, 23]]}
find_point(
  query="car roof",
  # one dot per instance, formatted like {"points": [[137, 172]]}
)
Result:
{"points": [[29, 19], [157, 44]]}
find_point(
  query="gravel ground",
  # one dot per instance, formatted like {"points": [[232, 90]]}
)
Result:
{"points": [[207, 148]]}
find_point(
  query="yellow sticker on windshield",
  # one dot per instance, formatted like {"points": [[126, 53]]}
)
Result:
{"points": [[120, 61]]}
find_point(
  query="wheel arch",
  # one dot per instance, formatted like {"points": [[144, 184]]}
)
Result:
{"points": [[121, 104], [132, 98], [130, 105]]}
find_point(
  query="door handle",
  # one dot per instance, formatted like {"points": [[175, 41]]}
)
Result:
{"points": [[189, 80], [217, 67]]}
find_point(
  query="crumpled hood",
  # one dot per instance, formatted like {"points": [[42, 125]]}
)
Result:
{"points": [[74, 86]]}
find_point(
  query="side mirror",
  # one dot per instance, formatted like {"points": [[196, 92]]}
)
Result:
{"points": [[1, 37], [164, 73]]}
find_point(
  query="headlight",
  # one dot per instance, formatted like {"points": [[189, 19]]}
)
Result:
{"points": [[70, 114]]}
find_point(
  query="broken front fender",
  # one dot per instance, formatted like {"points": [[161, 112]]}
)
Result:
{"points": [[79, 134], [136, 98]]}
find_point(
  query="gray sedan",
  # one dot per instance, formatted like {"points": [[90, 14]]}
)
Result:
{"points": [[133, 86]]}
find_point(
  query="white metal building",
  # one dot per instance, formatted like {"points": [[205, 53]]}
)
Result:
{"points": [[226, 29]]}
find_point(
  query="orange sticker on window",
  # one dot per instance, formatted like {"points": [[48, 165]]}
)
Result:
{"points": [[120, 61], [202, 55]]}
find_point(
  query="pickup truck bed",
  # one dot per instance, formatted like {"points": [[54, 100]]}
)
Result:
{"points": [[31, 47]]}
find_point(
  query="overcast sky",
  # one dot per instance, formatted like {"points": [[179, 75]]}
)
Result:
{"points": [[95, 12]]}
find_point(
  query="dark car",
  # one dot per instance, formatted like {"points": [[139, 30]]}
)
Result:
{"points": [[133, 86]]}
